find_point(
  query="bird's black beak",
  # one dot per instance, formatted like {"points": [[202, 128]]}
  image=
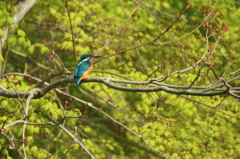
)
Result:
{"points": [[96, 56]]}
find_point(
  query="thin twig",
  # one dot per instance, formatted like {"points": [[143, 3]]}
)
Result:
{"points": [[71, 28]]}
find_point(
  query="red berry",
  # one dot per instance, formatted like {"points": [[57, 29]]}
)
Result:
{"points": [[224, 30], [225, 95], [181, 45], [66, 102]]}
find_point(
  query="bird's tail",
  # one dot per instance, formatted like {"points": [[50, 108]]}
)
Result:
{"points": [[78, 80]]}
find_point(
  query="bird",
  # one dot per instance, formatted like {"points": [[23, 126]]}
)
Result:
{"points": [[84, 67]]}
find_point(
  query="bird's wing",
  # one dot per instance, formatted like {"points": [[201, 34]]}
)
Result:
{"points": [[82, 67]]}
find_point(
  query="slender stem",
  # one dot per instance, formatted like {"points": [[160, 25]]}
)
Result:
{"points": [[71, 28]]}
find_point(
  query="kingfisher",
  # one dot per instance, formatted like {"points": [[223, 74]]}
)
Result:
{"points": [[84, 67]]}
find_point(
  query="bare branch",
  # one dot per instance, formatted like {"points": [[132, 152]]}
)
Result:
{"points": [[59, 125], [110, 83]]}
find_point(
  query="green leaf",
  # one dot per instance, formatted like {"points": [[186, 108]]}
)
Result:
{"points": [[27, 43], [53, 11], [21, 40], [31, 49], [21, 33], [44, 50]]}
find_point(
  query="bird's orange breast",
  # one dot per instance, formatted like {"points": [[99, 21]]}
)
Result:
{"points": [[87, 72], [90, 68]]}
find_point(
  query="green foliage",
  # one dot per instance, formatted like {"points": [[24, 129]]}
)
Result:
{"points": [[180, 126]]}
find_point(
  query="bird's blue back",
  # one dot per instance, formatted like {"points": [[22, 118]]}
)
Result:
{"points": [[82, 67]]}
